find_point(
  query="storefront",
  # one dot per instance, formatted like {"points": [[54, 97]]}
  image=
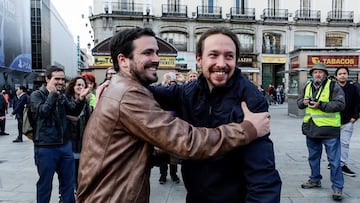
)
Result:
{"points": [[302, 60], [248, 65], [273, 67]]}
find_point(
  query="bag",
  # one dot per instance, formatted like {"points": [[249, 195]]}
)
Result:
{"points": [[28, 123]]}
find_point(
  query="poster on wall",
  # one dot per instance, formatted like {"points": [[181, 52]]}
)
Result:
{"points": [[15, 35]]}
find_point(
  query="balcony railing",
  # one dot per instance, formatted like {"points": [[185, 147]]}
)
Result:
{"points": [[237, 13], [340, 16], [275, 14], [127, 8], [307, 15], [209, 12], [273, 50], [174, 10]]}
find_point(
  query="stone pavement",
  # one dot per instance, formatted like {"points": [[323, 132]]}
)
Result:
{"points": [[18, 174]]}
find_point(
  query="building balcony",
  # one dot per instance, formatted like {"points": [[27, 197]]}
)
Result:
{"points": [[128, 9], [340, 16], [209, 12], [174, 11], [237, 13], [307, 16], [270, 14]]}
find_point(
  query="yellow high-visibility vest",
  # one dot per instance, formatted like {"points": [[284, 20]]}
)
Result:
{"points": [[319, 117]]}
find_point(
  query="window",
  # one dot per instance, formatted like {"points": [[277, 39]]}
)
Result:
{"points": [[305, 7], [173, 5], [177, 39], [304, 39], [337, 7], [273, 43], [208, 6], [273, 6], [240, 6], [246, 42], [336, 39]]}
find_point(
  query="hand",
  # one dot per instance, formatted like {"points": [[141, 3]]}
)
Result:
{"points": [[51, 87], [2, 118], [101, 89], [306, 102], [314, 104], [83, 93], [261, 121]]}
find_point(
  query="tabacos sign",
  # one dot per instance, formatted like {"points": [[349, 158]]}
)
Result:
{"points": [[335, 61]]}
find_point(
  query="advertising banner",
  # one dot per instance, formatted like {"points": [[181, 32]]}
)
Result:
{"points": [[334, 61], [15, 35]]}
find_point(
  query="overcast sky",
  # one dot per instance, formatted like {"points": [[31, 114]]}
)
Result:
{"points": [[71, 12]]}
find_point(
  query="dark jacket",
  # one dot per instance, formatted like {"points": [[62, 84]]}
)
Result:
{"points": [[120, 137], [352, 102], [76, 124], [49, 113], [246, 174], [19, 106], [2, 105]]}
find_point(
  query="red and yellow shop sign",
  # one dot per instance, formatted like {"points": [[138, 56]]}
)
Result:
{"points": [[335, 61], [294, 62]]}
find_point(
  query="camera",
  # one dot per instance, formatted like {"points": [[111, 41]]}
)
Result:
{"points": [[312, 100]]}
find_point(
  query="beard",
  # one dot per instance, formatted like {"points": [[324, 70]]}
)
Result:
{"points": [[141, 75]]}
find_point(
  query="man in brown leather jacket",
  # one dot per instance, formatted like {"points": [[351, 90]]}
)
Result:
{"points": [[127, 123]]}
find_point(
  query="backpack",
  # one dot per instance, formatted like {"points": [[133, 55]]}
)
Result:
{"points": [[28, 122]]}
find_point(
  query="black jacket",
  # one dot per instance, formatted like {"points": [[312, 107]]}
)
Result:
{"points": [[352, 102], [246, 174], [19, 106], [49, 113]]}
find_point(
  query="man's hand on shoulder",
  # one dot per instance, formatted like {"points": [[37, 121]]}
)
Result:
{"points": [[261, 121]]}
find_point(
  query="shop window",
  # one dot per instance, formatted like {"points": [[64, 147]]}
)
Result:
{"points": [[273, 43], [304, 39], [336, 39], [177, 39], [246, 42]]}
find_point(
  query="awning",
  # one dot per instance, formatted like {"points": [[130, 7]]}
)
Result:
{"points": [[249, 70]]}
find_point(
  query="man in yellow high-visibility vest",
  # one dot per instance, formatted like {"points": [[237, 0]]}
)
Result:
{"points": [[323, 100]]}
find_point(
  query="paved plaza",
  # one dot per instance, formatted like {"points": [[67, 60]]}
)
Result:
{"points": [[18, 174]]}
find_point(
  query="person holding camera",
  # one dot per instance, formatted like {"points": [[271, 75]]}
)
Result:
{"points": [[323, 100]]}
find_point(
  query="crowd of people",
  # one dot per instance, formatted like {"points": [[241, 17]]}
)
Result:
{"points": [[102, 140]]}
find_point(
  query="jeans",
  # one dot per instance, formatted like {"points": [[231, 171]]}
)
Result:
{"points": [[53, 159], [345, 137], [332, 147]]}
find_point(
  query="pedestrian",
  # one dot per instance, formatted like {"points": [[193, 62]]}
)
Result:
{"points": [[246, 174], [192, 75], [91, 84], [323, 100], [6, 96], [52, 146], [21, 100], [127, 123], [110, 72], [169, 78], [76, 122], [3, 107], [348, 116]]}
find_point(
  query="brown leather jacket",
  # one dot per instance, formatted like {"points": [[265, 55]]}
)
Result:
{"points": [[120, 137]]}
